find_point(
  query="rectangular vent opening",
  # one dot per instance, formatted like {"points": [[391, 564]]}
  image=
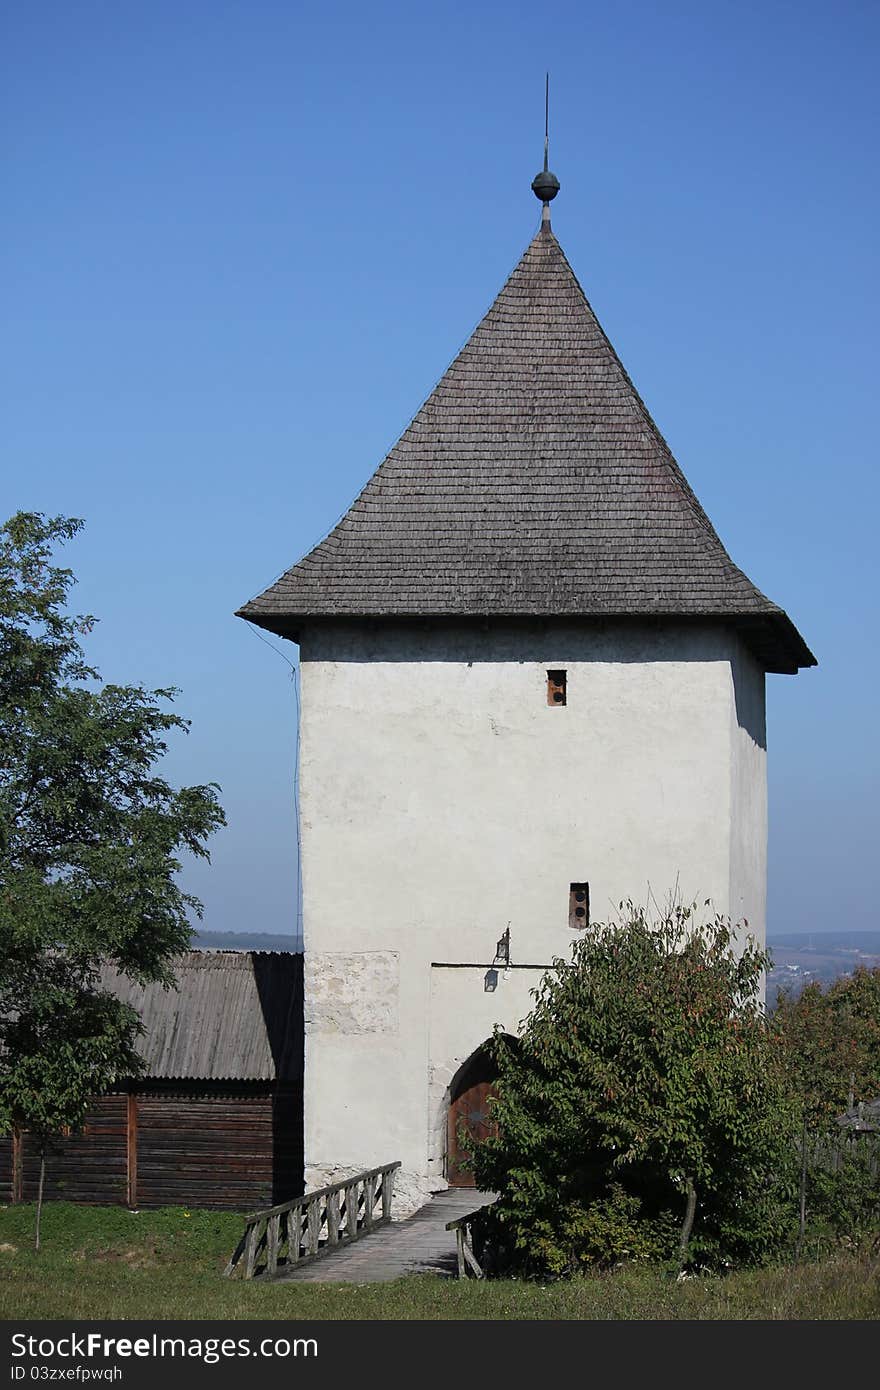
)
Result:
{"points": [[579, 906], [557, 687]]}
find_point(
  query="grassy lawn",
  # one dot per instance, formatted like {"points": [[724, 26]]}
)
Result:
{"points": [[111, 1263]]}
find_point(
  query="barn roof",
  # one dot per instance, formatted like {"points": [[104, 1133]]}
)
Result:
{"points": [[234, 1015], [532, 482]]}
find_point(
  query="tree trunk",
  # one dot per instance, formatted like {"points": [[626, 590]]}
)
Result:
{"points": [[688, 1224], [802, 1225], [40, 1196]]}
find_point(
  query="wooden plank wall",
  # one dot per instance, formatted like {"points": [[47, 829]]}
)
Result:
{"points": [[210, 1152], [232, 1148], [89, 1166], [6, 1169]]}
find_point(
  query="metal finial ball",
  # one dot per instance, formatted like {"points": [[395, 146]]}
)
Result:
{"points": [[545, 186]]}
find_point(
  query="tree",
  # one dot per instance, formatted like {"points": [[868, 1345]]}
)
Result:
{"points": [[639, 1114], [89, 841], [829, 1043]]}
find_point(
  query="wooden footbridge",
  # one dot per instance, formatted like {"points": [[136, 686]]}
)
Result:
{"points": [[344, 1234]]}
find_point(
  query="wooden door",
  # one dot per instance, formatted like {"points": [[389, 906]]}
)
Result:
{"points": [[469, 1117]]}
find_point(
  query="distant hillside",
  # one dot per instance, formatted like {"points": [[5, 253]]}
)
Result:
{"points": [[865, 941], [800, 958], [243, 941]]}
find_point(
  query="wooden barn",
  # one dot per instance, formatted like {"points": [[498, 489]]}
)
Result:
{"points": [[216, 1121]]}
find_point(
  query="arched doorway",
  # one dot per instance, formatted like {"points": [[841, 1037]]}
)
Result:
{"points": [[468, 1116]]}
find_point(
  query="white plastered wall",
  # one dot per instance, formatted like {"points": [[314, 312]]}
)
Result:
{"points": [[747, 901], [441, 798]]}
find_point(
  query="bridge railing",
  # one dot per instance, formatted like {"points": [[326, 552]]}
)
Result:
{"points": [[284, 1236], [468, 1265]]}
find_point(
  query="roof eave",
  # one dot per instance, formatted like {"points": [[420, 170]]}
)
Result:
{"points": [[772, 636], [776, 642]]}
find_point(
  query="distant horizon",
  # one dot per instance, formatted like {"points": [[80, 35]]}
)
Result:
{"points": [[832, 934]]}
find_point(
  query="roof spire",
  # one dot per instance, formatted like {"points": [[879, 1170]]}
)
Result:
{"points": [[546, 185]]}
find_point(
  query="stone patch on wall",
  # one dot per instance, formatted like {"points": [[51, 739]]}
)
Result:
{"points": [[410, 1191], [352, 992]]}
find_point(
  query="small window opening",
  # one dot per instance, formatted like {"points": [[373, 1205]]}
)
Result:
{"points": [[579, 906], [556, 687]]}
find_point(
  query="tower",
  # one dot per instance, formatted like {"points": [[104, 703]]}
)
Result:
{"points": [[532, 685]]}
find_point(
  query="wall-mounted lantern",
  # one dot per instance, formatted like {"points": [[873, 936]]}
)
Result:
{"points": [[502, 959], [502, 952]]}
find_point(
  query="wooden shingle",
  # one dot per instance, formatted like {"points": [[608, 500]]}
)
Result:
{"points": [[532, 483]]}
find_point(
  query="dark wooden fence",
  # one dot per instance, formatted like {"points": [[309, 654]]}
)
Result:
{"points": [[205, 1144], [293, 1232], [88, 1165], [832, 1154]]}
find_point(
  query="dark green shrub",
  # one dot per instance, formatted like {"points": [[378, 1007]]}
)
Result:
{"points": [[843, 1188], [640, 1116], [830, 1044]]}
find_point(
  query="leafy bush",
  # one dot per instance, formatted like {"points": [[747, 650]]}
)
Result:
{"points": [[828, 1044], [640, 1115], [831, 1043], [843, 1189]]}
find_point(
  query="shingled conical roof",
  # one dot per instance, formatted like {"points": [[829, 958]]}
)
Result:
{"points": [[532, 482]]}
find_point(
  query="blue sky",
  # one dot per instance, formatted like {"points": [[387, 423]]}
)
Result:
{"points": [[243, 241]]}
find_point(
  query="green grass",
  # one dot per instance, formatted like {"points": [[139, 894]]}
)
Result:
{"points": [[111, 1263]]}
